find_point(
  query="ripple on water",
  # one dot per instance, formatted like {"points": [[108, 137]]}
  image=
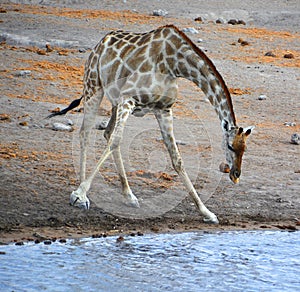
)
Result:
{"points": [[219, 261]]}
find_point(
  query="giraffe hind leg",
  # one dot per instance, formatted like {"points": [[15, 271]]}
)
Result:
{"points": [[126, 191], [165, 120]]}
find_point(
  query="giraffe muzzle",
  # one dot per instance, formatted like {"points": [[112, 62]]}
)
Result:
{"points": [[235, 175]]}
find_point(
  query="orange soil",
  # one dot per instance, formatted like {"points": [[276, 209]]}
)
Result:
{"points": [[124, 16], [262, 33]]}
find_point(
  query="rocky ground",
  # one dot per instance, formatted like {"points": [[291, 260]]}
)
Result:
{"points": [[44, 45]]}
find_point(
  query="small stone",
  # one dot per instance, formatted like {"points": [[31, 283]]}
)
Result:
{"points": [[199, 19], [62, 240], [47, 242], [5, 117], [41, 52], [81, 50], [220, 21], [295, 139], [155, 229], [270, 54], [190, 30], [98, 235], [140, 233], [289, 56], [160, 12], [120, 239], [245, 43], [262, 97], [240, 21], [23, 73], [24, 124], [70, 122], [200, 40], [102, 125], [233, 21], [20, 243], [290, 124], [62, 127], [48, 48]]}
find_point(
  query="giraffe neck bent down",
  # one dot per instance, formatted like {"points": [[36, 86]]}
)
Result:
{"points": [[194, 65]]}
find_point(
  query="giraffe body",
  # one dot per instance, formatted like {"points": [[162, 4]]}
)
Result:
{"points": [[138, 73]]}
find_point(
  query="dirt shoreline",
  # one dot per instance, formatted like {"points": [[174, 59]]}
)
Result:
{"points": [[39, 166], [41, 234]]}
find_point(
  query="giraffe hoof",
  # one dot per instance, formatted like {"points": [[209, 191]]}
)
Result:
{"points": [[134, 204], [77, 201], [211, 220]]}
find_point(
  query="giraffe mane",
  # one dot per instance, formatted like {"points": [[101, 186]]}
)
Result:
{"points": [[211, 65]]}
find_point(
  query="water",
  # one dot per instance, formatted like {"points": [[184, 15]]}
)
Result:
{"points": [[194, 261]]}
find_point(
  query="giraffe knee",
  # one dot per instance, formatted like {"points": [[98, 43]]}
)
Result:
{"points": [[178, 165]]}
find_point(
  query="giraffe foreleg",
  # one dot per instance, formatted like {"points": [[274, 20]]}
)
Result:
{"points": [[79, 197], [165, 121]]}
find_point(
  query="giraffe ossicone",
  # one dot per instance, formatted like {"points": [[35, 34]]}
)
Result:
{"points": [[138, 73]]}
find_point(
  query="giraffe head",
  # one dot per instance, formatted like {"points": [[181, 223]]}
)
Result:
{"points": [[235, 146]]}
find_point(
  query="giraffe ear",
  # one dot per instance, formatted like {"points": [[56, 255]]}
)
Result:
{"points": [[248, 130]]}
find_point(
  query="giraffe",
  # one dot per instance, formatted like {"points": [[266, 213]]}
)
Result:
{"points": [[138, 73]]}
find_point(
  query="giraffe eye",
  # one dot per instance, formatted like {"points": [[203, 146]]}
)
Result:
{"points": [[230, 148]]}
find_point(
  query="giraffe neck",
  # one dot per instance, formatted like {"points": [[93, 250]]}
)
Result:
{"points": [[194, 65]]}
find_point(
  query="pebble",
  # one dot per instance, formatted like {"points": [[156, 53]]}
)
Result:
{"points": [[262, 97], [47, 242], [220, 21], [190, 30], [289, 56], [290, 124], [235, 22], [295, 139], [120, 239], [160, 12], [102, 125], [24, 124], [23, 73], [199, 19], [62, 127], [245, 43], [70, 122], [5, 117], [270, 54]]}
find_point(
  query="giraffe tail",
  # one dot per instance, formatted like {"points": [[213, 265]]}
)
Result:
{"points": [[73, 104]]}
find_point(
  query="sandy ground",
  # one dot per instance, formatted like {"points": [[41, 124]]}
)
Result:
{"points": [[39, 166]]}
